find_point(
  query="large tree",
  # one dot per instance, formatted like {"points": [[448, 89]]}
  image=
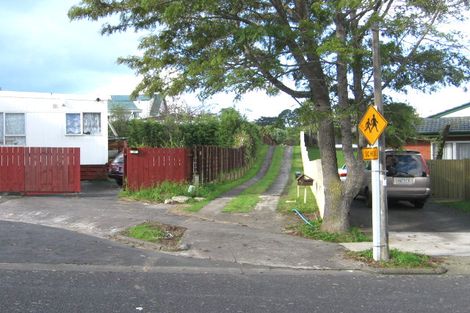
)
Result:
{"points": [[322, 47]]}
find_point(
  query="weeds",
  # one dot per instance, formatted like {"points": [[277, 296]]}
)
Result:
{"points": [[146, 232], [165, 190], [398, 259], [313, 231]]}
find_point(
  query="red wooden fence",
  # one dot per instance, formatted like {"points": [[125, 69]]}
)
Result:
{"points": [[210, 163], [32, 170], [146, 167], [12, 169]]}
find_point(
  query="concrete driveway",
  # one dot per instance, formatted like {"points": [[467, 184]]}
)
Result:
{"points": [[95, 211], [98, 212], [434, 230]]}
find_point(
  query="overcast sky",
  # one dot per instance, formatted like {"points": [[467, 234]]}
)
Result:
{"points": [[42, 51]]}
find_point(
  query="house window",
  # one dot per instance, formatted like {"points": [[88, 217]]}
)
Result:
{"points": [[453, 150], [463, 150], [12, 129], [83, 123], [447, 153]]}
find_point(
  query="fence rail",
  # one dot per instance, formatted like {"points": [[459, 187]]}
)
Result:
{"points": [[450, 179], [211, 163]]}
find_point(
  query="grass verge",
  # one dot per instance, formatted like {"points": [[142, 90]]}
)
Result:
{"points": [[163, 191], [289, 199], [463, 205], [398, 259], [314, 153], [167, 236], [313, 232], [248, 199], [146, 232], [309, 210], [216, 189]]}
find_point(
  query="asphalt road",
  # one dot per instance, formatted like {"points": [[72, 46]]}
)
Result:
{"points": [[45, 269], [83, 290]]}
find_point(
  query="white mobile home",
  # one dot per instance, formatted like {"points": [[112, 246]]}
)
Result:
{"points": [[55, 120]]}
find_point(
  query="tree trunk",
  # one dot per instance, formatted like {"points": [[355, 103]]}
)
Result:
{"points": [[334, 218], [339, 196], [442, 142]]}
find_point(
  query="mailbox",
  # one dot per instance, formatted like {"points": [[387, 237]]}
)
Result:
{"points": [[304, 180]]}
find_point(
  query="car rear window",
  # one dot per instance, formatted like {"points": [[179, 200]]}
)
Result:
{"points": [[119, 158], [404, 165]]}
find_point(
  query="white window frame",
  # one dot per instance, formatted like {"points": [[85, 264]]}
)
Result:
{"points": [[5, 135], [81, 133]]}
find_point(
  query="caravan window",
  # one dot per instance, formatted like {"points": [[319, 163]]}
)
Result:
{"points": [[83, 123], [12, 129]]}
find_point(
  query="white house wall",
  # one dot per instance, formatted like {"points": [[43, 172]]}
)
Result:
{"points": [[45, 122], [144, 106]]}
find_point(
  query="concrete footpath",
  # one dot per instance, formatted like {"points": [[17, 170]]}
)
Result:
{"points": [[255, 238]]}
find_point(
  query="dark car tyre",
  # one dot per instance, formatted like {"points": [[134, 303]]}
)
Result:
{"points": [[419, 204], [368, 198]]}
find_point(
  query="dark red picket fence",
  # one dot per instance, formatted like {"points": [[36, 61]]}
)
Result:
{"points": [[31, 170], [147, 167], [211, 163], [12, 169]]}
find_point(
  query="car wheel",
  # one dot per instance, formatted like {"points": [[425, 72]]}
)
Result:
{"points": [[419, 204], [368, 198]]}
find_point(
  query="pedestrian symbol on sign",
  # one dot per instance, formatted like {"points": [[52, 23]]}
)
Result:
{"points": [[370, 125]]}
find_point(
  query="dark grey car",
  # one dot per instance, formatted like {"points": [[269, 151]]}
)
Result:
{"points": [[116, 169], [407, 178]]}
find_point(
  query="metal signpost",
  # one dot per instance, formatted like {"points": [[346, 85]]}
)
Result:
{"points": [[372, 126]]}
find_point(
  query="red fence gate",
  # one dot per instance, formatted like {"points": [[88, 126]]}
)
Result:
{"points": [[39, 170], [146, 167]]}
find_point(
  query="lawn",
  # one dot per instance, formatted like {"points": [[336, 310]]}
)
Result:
{"points": [[314, 153], [289, 200]]}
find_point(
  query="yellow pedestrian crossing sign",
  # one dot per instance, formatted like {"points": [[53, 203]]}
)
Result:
{"points": [[372, 124]]}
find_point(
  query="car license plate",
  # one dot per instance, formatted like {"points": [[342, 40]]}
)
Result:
{"points": [[403, 180]]}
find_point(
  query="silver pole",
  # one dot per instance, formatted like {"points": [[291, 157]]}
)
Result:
{"points": [[379, 193]]}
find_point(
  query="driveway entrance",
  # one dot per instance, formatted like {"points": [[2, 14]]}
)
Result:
{"points": [[434, 230]]}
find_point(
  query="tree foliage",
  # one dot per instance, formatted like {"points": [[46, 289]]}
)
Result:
{"points": [[402, 121], [323, 47], [119, 119], [228, 129]]}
